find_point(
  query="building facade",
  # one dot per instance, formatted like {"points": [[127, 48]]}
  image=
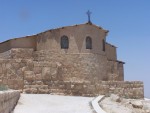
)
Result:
{"points": [[81, 49], [74, 60]]}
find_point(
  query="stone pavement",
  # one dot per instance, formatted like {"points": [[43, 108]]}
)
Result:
{"points": [[45, 103]]}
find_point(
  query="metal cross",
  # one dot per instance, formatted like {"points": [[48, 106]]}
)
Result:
{"points": [[89, 16]]}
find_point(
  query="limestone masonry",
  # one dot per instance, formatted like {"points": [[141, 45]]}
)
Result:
{"points": [[72, 60]]}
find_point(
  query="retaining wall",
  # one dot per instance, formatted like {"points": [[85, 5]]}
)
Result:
{"points": [[67, 74], [125, 89], [8, 100]]}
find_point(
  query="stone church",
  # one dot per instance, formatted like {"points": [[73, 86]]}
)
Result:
{"points": [[71, 60]]}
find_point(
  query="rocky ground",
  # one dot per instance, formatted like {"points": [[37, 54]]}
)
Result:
{"points": [[116, 104]]}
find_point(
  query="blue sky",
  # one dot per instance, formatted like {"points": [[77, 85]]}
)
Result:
{"points": [[127, 20]]}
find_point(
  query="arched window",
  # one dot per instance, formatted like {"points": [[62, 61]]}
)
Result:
{"points": [[103, 44], [64, 42], [88, 43]]}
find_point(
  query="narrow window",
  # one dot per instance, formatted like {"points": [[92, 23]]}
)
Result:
{"points": [[64, 42], [88, 43], [103, 42]]}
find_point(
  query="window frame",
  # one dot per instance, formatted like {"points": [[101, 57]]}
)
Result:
{"points": [[88, 42], [64, 42], [103, 45]]}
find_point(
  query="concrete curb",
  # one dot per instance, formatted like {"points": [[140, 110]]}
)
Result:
{"points": [[96, 106]]}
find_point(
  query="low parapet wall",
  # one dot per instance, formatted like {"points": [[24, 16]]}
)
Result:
{"points": [[124, 89], [8, 100]]}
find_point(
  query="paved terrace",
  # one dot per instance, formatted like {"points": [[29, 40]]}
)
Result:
{"points": [[45, 103]]}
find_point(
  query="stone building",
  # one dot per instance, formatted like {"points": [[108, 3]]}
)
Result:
{"points": [[81, 49], [73, 60]]}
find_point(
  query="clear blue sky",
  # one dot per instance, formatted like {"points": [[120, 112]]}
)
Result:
{"points": [[127, 20]]}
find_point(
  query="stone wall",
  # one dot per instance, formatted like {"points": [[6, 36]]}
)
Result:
{"points": [[5, 55], [115, 71], [5, 46], [20, 53], [8, 100], [67, 67], [111, 51], [23, 42], [83, 66], [12, 72], [71, 74], [125, 89], [71, 67]]}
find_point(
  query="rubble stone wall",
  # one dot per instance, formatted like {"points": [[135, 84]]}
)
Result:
{"points": [[71, 67], [115, 71], [71, 74], [20, 53], [5, 55], [124, 89], [8, 100], [12, 72]]}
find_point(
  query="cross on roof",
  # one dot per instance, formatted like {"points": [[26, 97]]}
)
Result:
{"points": [[89, 16]]}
